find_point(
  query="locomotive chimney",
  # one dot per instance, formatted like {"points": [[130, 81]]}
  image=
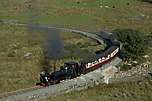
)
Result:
{"points": [[54, 65]]}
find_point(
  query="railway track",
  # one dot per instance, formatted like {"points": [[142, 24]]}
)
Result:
{"points": [[84, 81], [19, 91], [39, 27]]}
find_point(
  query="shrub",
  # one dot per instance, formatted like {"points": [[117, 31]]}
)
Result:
{"points": [[133, 42]]}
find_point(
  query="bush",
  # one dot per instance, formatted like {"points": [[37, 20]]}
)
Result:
{"points": [[133, 42]]}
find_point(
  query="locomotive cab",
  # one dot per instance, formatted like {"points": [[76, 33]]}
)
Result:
{"points": [[71, 64], [74, 66]]}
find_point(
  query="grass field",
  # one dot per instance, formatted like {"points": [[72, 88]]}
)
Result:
{"points": [[113, 92], [88, 15], [16, 71]]}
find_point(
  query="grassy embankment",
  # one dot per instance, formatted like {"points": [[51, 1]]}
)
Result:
{"points": [[112, 92]]}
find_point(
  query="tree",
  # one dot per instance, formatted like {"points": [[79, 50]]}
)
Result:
{"points": [[133, 42]]}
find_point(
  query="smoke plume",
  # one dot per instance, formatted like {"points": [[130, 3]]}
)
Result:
{"points": [[53, 44]]}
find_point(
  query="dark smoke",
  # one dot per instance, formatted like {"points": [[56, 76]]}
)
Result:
{"points": [[53, 48], [54, 44]]}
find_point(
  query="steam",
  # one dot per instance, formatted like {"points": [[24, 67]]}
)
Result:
{"points": [[53, 44]]}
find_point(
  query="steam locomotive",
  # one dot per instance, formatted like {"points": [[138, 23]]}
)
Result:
{"points": [[74, 69]]}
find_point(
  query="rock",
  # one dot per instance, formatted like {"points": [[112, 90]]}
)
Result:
{"points": [[139, 82], [106, 80], [124, 95], [147, 16], [138, 17], [135, 62], [107, 7], [142, 15], [28, 55], [101, 6], [146, 56], [129, 64], [96, 83]]}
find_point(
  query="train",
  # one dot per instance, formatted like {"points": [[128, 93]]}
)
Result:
{"points": [[73, 69]]}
